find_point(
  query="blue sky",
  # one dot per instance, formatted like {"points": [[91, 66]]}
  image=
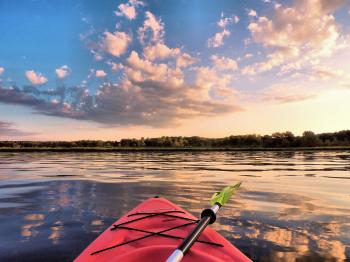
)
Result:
{"points": [[120, 68]]}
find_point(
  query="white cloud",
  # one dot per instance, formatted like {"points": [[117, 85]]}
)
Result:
{"points": [[248, 56], [100, 73], [63, 71], [225, 21], [252, 13], [152, 29], [218, 39], [2, 70], [224, 63], [116, 43], [35, 78]]}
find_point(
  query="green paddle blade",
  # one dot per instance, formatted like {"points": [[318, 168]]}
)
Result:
{"points": [[222, 197]]}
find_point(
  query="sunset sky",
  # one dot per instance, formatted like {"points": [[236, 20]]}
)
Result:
{"points": [[73, 69]]}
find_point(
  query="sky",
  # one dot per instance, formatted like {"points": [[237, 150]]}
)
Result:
{"points": [[87, 69]]}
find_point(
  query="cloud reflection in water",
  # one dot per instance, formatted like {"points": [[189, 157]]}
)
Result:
{"points": [[281, 213]]}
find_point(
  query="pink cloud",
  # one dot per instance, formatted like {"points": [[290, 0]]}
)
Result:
{"points": [[35, 78], [100, 73], [297, 34], [224, 63], [185, 60], [152, 29], [63, 71], [129, 9], [116, 43], [218, 39], [160, 51]]}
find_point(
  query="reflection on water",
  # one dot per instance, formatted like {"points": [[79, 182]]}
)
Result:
{"points": [[293, 206]]}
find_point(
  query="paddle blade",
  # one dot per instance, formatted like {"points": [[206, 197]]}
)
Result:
{"points": [[222, 197]]}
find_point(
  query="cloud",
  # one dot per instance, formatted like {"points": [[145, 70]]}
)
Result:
{"points": [[63, 71], [215, 83], [287, 93], [35, 78], [1, 70], [100, 73], [225, 21], [115, 66], [129, 9], [144, 70], [160, 51], [326, 73], [306, 31], [152, 94], [248, 55], [224, 63], [154, 88], [218, 39], [185, 60], [252, 13], [9, 130], [152, 30], [116, 43]]}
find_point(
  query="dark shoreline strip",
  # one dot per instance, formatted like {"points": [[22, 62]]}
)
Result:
{"points": [[167, 149]]}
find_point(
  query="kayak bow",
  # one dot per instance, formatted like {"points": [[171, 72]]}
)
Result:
{"points": [[153, 230]]}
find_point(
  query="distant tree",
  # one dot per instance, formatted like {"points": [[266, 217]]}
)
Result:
{"points": [[278, 139], [310, 139]]}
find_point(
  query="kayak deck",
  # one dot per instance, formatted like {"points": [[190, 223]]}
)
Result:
{"points": [[152, 231]]}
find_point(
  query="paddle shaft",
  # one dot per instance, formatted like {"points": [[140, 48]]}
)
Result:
{"points": [[208, 217]]}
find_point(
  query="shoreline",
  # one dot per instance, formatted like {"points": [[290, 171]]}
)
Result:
{"points": [[170, 149]]}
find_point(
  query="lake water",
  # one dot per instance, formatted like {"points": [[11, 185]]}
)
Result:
{"points": [[293, 206]]}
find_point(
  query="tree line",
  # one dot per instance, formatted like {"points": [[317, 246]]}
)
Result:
{"points": [[276, 140]]}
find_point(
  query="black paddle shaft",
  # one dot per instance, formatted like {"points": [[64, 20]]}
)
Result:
{"points": [[191, 239], [208, 217]]}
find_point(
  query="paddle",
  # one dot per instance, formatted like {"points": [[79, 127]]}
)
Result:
{"points": [[208, 216]]}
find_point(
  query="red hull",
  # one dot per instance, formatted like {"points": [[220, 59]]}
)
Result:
{"points": [[158, 247]]}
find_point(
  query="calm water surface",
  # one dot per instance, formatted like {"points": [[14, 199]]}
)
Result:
{"points": [[293, 206]]}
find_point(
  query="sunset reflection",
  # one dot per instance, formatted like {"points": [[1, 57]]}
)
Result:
{"points": [[280, 214]]}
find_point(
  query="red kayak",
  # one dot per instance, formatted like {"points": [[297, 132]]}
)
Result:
{"points": [[152, 231]]}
